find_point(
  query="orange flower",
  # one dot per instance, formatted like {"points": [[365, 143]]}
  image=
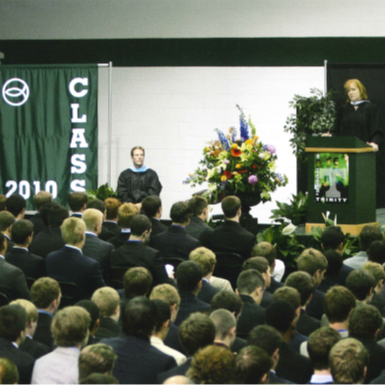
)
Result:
{"points": [[227, 174], [235, 173], [255, 166], [242, 171], [236, 152]]}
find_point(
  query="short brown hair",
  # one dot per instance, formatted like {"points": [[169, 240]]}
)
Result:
{"points": [[166, 293], [44, 291], [338, 303], [364, 322], [197, 204], [107, 299], [369, 234], [137, 281], [40, 198], [375, 269], [125, 214], [312, 260], [137, 148], [205, 258], [303, 282], [72, 230], [265, 249], [289, 294], [30, 308], [6, 219], [112, 206], [3, 202], [77, 200], [258, 263], [230, 206]]}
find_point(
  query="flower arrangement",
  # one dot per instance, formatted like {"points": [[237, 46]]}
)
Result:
{"points": [[233, 165]]}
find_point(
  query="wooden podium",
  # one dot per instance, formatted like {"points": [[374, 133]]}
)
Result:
{"points": [[354, 199]]}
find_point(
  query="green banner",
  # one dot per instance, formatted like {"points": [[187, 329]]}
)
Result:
{"points": [[48, 130]]}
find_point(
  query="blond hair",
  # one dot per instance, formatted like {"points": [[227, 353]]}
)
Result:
{"points": [[166, 293], [205, 258], [125, 214], [91, 218], [107, 299], [72, 230], [30, 308]]}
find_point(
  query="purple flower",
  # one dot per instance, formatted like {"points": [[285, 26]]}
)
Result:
{"points": [[222, 138], [253, 179], [226, 161], [270, 148]]}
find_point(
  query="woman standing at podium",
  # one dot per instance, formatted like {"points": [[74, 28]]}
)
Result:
{"points": [[359, 117]]}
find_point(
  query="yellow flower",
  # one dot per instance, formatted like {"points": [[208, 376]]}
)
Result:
{"points": [[238, 165], [223, 178], [249, 141], [234, 145], [256, 137], [234, 173]]}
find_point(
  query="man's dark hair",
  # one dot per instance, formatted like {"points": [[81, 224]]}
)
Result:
{"points": [[230, 206], [180, 212], [376, 252], [364, 322], [257, 263], [44, 291], [163, 313], [196, 332], [99, 378], [188, 274], [360, 283], [338, 304], [289, 294], [303, 282], [151, 205], [197, 204], [266, 338], [334, 263], [137, 282], [13, 320], [312, 260], [139, 224], [97, 204], [3, 202], [15, 204], [319, 345], [9, 374], [21, 230], [44, 209], [139, 317], [227, 300], [265, 249], [56, 215], [332, 237], [77, 200], [369, 234], [280, 315], [92, 309], [249, 280], [6, 219], [252, 363]]}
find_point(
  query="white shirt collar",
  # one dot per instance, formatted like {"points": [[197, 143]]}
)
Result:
{"points": [[321, 378], [19, 247]]}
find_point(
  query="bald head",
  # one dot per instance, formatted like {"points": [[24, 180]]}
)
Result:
{"points": [[93, 219]]}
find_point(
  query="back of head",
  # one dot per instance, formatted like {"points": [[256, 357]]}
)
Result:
{"points": [[163, 313], [312, 260], [257, 263], [9, 374], [125, 214], [289, 294], [139, 317], [151, 204], [196, 332], [338, 304], [224, 321], [21, 230], [40, 198], [303, 282], [280, 315], [188, 275], [376, 270], [369, 234], [212, 365], [167, 293], [332, 237], [319, 345], [96, 358], [107, 299], [97, 204], [13, 321], [92, 218], [334, 263], [56, 214], [265, 249], [360, 283], [137, 282], [16, 204], [77, 200], [347, 360], [205, 258], [139, 224], [73, 230], [227, 300], [99, 378], [364, 322], [29, 307], [92, 310], [252, 365], [70, 326], [376, 252], [249, 280], [44, 291], [6, 219], [180, 212], [230, 206], [197, 205], [3, 202], [112, 207], [266, 338]]}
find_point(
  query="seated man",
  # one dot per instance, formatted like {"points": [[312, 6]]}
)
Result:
{"points": [[39, 199], [138, 181], [152, 207], [110, 224], [137, 282], [335, 264], [379, 276], [225, 326], [230, 237], [69, 264], [361, 283], [200, 213], [77, 201], [16, 205], [6, 221]]}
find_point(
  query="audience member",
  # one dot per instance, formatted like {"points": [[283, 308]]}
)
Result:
{"points": [[361, 283], [230, 237], [16, 205], [98, 204], [46, 296], [94, 313], [9, 374], [335, 263], [99, 378], [70, 328], [137, 282], [152, 207], [6, 221], [225, 326], [110, 224], [39, 200], [3, 202], [77, 201], [200, 213], [376, 252], [13, 321], [379, 276]]}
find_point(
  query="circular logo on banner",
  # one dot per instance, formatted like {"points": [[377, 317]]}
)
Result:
{"points": [[15, 94]]}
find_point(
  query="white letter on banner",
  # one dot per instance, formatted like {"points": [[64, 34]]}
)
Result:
{"points": [[75, 114], [77, 160], [78, 137], [71, 87], [78, 185]]}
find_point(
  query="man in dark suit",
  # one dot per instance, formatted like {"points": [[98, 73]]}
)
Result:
{"points": [[13, 319], [135, 252], [50, 238], [110, 225], [39, 200], [6, 221], [230, 237], [77, 201], [200, 211], [12, 280], [138, 362], [16, 205], [152, 207], [69, 264], [32, 265], [175, 242], [94, 247], [250, 287]]}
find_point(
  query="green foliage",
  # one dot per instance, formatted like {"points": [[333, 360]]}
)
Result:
{"points": [[295, 212], [102, 192], [314, 115]]}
